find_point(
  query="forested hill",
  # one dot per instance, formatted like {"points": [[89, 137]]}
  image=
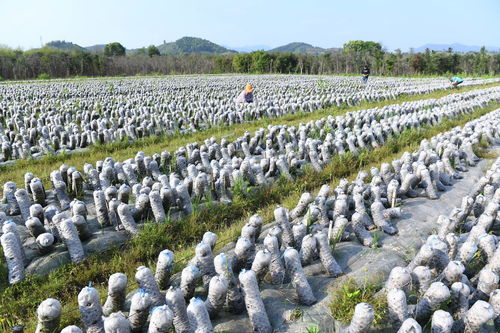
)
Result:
{"points": [[69, 46], [189, 45], [297, 47], [185, 45], [64, 46]]}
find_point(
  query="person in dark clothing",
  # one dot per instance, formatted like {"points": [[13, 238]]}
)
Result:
{"points": [[366, 73]]}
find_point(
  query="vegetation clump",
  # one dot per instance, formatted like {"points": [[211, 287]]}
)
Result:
{"points": [[350, 293]]}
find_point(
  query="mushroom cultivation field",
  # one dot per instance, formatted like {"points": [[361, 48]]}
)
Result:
{"points": [[254, 233], [47, 118]]}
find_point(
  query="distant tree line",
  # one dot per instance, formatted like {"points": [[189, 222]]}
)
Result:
{"points": [[50, 62]]}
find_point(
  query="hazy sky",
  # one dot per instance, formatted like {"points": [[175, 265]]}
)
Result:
{"points": [[394, 23]]}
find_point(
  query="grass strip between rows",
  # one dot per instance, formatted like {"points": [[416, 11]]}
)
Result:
{"points": [[19, 302], [120, 151]]}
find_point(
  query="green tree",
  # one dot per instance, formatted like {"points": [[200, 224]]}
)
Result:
{"points": [[390, 63], [399, 61], [496, 64], [285, 62], [242, 62], [379, 58], [153, 51], [364, 52], [363, 47], [482, 61], [114, 49], [441, 62], [455, 63], [260, 62], [417, 63], [325, 63], [224, 63], [142, 51], [429, 65]]}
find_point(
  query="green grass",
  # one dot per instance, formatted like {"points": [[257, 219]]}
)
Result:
{"points": [[478, 261], [19, 302], [124, 150], [313, 329], [481, 150], [376, 239], [483, 142], [484, 153], [346, 296], [296, 314]]}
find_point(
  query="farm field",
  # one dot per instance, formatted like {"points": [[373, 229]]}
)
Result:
{"points": [[159, 203], [43, 164], [51, 118]]}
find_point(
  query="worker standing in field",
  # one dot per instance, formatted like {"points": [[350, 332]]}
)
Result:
{"points": [[246, 95], [455, 81], [366, 73]]}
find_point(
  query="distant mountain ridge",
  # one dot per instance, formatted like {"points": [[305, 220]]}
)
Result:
{"points": [[194, 45], [456, 47]]}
